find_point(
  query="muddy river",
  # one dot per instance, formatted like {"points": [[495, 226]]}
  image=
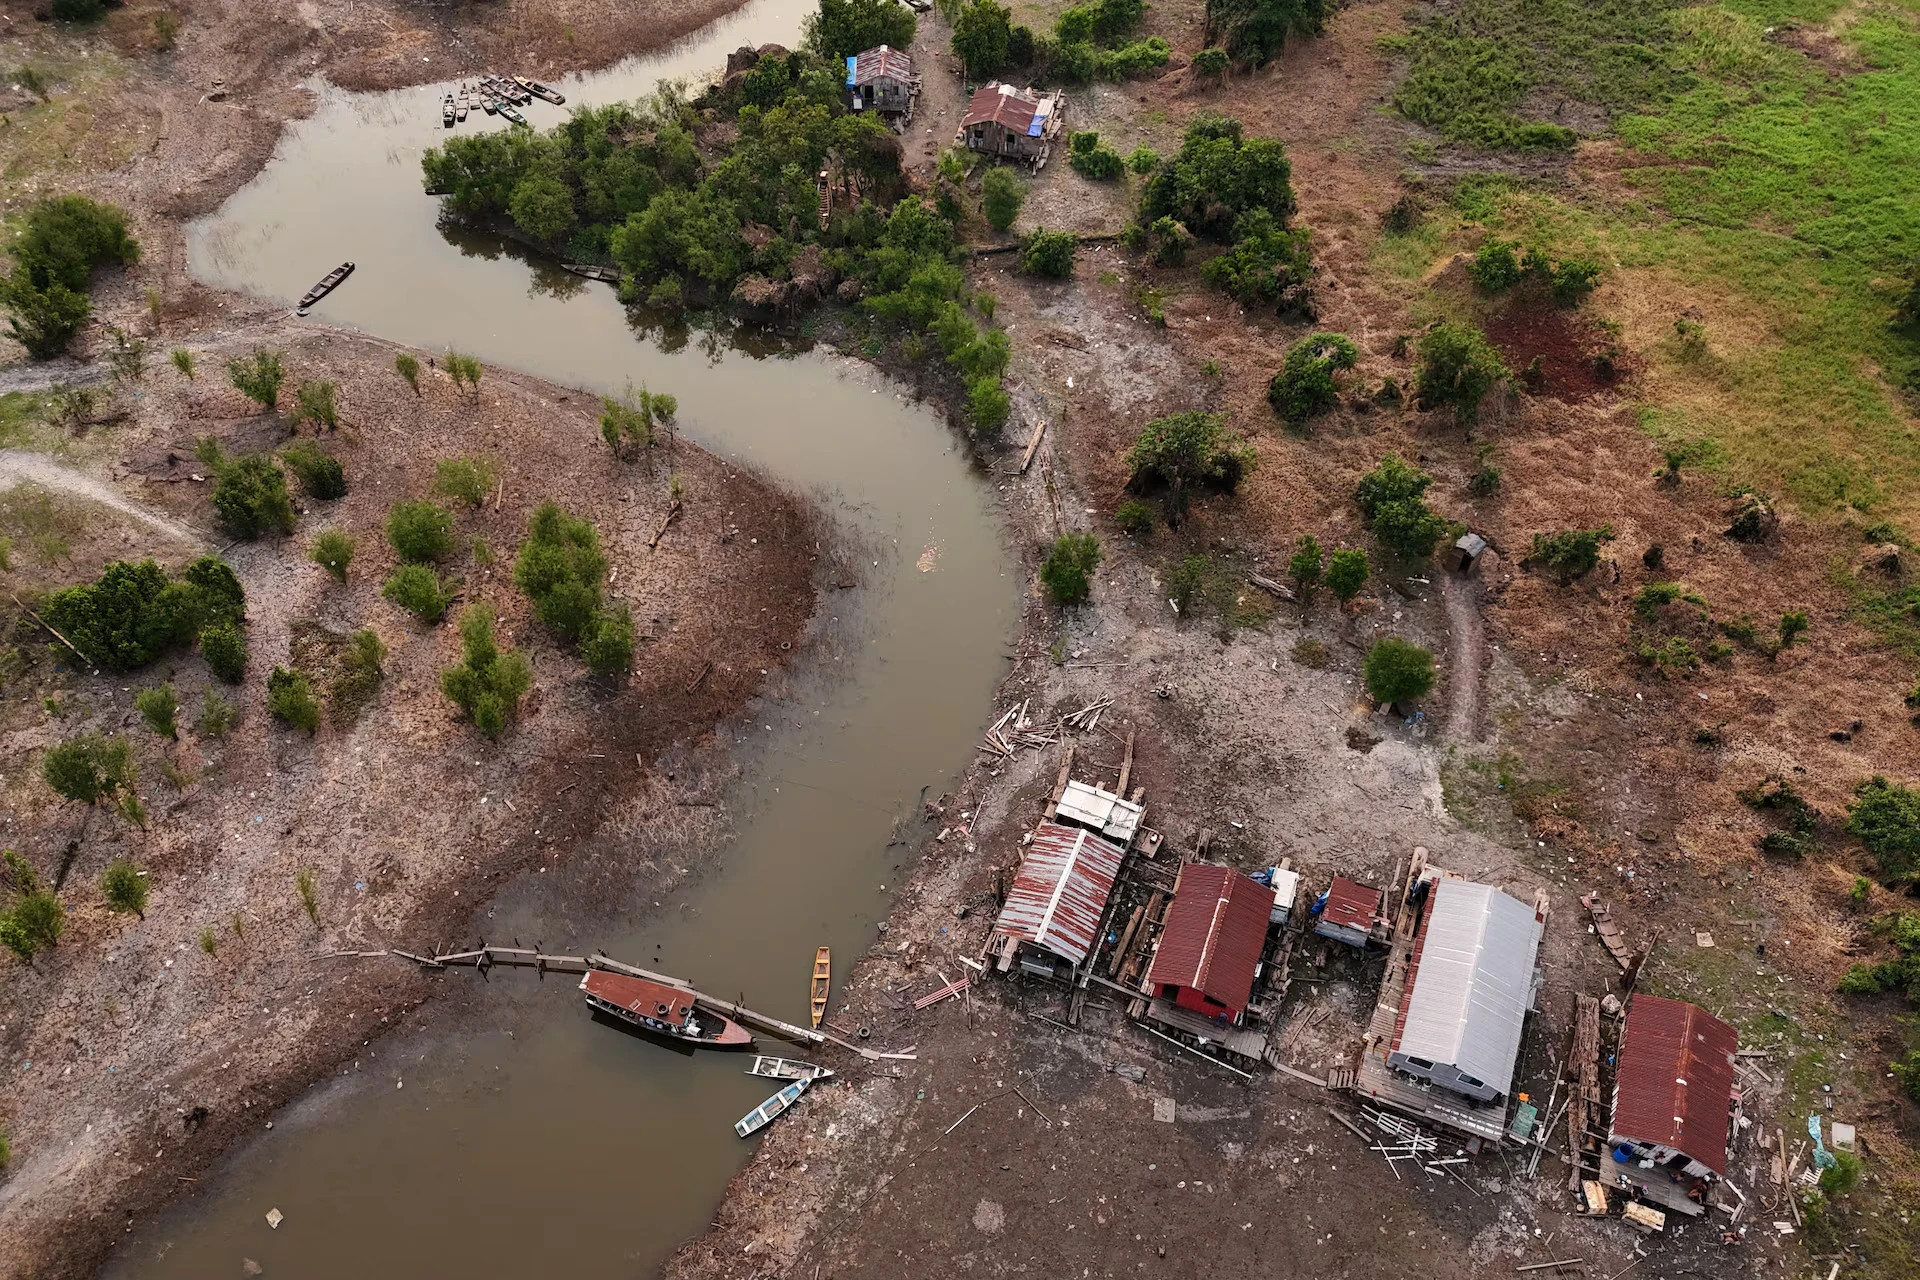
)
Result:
{"points": [[504, 1132]]}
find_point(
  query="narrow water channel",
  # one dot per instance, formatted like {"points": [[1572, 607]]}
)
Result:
{"points": [[523, 1138]]}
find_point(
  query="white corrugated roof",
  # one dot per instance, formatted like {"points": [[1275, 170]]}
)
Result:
{"points": [[1473, 981], [1113, 817]]}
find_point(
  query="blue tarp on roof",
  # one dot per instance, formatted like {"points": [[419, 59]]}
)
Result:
{"points": [[850, 61], [1033, 130]]}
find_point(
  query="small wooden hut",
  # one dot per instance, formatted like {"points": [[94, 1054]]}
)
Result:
{"points": [[1017, 124], [882, 79]]}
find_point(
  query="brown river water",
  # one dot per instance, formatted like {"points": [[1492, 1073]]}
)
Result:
{"points": [[504, 1132]]}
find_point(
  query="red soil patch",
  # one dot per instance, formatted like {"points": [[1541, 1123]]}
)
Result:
{"points": [[1565, 342]]}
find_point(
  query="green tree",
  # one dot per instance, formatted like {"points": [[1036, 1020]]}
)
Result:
{"points": [[88, 768], [542, 206], [1346, 573], [409, 368], [465, 371], [290, 699], [1793, 625], [125, 888], [318, 471], [1496, 267], [841, 28], [43, 319], [465, 480], [1570, 554], [216, 715], [1305, 384], [1457, 366], [250, 496], [1092, 158], [981, 37], [1398, 671], [1886, 817], [34, 919], [417, 589], [258, 376], [1048, 253], [1183, 452], [183, 361], [63, 239], [1220, 177], [1068, 570], [333, 551], [1305, 565], [488, 682], [1390, 496], [1211, 64], [1001, 195], [419, 530], [988, 404], [224, 646], [159, 706], [1255, 31], [560, 569]]}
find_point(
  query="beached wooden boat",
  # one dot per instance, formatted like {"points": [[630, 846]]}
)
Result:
{"points": [[488, 103], [822, 978], [539, 90], [510, 91], [327, 284], [787, 1069], [460, 104], [764, 1114], [592, 271], [663, 1011], [446, 111], [511, 112]]}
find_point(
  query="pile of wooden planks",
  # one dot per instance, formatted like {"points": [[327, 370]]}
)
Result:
{"points": [[1585, 1110], [1015, 728]]}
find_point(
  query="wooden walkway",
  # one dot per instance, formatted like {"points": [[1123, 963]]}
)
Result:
{"points": [[485, 957]]}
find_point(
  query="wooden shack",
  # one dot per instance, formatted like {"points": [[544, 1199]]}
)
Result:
{"points": [[882, 79], [1017, 124]]}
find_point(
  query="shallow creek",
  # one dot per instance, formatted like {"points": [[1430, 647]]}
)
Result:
{"points": [[507, 1133]]}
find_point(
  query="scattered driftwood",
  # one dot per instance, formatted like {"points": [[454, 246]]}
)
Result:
{"points": [[1033, 445], [701, 678], [1015, 728], [1563, 1262], [1271, 587], [673, 513]]}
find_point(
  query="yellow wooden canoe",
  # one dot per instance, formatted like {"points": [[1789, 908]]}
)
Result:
{"points": [[822, 977]]}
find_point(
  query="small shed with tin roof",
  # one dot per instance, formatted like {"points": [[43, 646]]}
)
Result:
{"points": [[1212, 940], [1350, 912], [882, 79], [1673, 1086], [1016, 123], [1058, 896], [1083, 805]]}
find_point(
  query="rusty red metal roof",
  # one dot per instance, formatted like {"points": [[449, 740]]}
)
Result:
{"points": [[649, 999], [1214, 934], [1673, 1085], [882, 61], [1352, 905], [1003, 105], [1061, 891]]}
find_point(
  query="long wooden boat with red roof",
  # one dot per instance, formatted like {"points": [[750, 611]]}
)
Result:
{"points": [[662, 1011]]}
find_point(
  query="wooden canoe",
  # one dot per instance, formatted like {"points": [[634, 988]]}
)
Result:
{"points": [[446, 111], [763, 1115], [822, 979], [512, 113], [326, 285], [539, 90], [787, 1069]]}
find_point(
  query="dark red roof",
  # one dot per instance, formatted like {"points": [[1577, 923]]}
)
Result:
{"points": [[1352, 905], [1214, 934], [882, 61], [1003, 105], [1674, 1082]]}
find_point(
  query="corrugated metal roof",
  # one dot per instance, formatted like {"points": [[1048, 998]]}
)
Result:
{"points": [[1351, 905], [1105, 812], [1004, 105], [1214, 933], [1061, 891], [1674, 1081], [880, 61], [1470, 981]]}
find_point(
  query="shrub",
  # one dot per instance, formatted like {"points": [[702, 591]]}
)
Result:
{"points": [[1255, 31], [419, 530], [1305, 384], [1793, 625], [1571, 279], [409, 368], [464, 370], [250, 495], [1170, 241], [982, 35], [560, 568], [1398, 671], [607, 645], [1092, 158], [290, 699], [1886, 817], [318, 471], [1049, 253], [1843, 1176], [467, 480], [216, 715], [1218, 177], [42, 319], [158, 707], [1305, 566], [1211, 64], [258, 377], [1570, 554], [1402, 216], [1457, 366], [1068, 571], [488, 682], [417, 589], [124, 888], [361, 672], [1391, 497], [1143, 159], [988, 404], [88, 768], [1346, 573], [1496, 268], [78, 10], [1001, 195], [309, 894], [1266, 265], [64, 238], [35, 919], [332, 551], [132, 613], [315, 402], [1134, 517], [224, 646], [1183, 452]]}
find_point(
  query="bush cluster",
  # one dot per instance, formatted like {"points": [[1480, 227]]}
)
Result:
{"points": [[249, 493], [133, 613], [1305, 384], [1089, 42], [488, 682], [1184, 453], [561, 569], [1092, 158], [1255, 31], [1457, 367], [1398, 671], [318, 471], [1569, 554], [290, 699], [33, 918], [1886, 817], [62, 240], [420, 531], [1392, 498], [1068, 570], [417, 589], [1001, 195], [1497, 268]]}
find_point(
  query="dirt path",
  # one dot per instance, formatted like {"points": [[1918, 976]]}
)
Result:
{"points": [[19, 467], [1466, 655]]}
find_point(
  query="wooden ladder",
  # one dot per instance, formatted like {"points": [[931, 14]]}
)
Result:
{"points": [[826, 199]]}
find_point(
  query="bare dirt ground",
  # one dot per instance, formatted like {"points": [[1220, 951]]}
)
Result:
{"points": [[1551, 758]]}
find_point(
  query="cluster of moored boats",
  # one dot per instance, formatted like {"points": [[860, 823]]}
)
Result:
{"points": [[501, 96]]}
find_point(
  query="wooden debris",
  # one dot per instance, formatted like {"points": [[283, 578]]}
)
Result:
{"points": [[701, 678], [1562, 1262], [1271, 587], [1033, 445], [951, 989], [673, 513], [1610, 935]]}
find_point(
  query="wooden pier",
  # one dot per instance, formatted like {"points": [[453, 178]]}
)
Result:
{"points": [[484, 957]]}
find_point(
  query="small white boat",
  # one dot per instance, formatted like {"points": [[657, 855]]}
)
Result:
{"points": [[764, 1114], [787, 1069]]}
